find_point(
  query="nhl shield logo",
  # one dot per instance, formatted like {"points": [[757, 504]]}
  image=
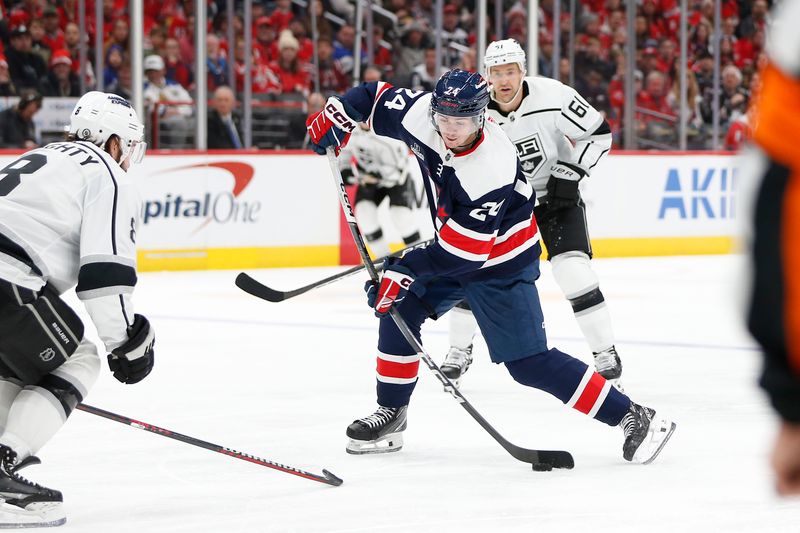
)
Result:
{"points": [[47, 354], [531, 154]]}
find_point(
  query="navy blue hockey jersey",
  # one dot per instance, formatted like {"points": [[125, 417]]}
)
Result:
{"points": [[481, 203]]}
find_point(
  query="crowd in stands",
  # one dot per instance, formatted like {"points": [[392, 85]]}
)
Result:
{"points": [[40, 41]]}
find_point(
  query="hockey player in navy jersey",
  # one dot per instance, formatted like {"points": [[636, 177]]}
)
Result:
{"points": [[486, 252], [68, 215], [559, 138]]}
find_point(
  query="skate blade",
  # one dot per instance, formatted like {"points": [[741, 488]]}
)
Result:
{"points": [[393, 442], [456, 383], [656, 442], [38, 514]]}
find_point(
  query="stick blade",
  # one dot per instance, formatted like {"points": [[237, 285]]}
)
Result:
{"points": [[259, 290], [552, 458]]}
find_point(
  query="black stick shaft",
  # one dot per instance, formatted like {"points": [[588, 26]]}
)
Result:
{"points": [[326, 478], [557, 458], [251, 286]]}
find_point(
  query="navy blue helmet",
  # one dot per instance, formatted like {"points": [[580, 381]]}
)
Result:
{"points": [[459, 93]]}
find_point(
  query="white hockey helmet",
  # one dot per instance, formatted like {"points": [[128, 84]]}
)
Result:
{"points": [[502, 53], [97, 116]]}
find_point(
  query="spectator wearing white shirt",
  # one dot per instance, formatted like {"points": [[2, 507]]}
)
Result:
{"points": [[176, 101]]}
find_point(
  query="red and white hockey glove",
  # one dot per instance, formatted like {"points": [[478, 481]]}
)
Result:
{"points": [[396, 281], [332, 126]]}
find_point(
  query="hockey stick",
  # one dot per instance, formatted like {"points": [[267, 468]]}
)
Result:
{"points": [[326, 477], [539, 459], [249, 285]]}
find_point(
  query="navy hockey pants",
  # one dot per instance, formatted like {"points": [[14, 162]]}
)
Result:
{"points": [[510, 317]]}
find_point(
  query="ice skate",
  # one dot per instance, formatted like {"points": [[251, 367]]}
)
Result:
{"points": [[380, 432], [608, 364], [645, 435], [24, 503], [456, 363]]}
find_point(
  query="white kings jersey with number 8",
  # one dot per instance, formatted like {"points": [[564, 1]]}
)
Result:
{"points": [[553, 123], [69, 215]]}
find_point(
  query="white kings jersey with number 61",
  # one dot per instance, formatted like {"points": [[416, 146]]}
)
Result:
{"points": [[68, 215], [553, 123]]}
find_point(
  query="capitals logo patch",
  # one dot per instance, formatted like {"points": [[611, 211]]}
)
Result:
{"points": [[531, 154]]}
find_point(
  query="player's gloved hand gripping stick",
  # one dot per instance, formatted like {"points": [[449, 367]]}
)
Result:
{"points": [[540, 459], [562, 187]]}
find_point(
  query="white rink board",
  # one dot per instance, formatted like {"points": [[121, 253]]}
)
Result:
{"points": [[206, 201]]}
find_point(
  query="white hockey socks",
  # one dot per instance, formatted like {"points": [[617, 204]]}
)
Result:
{"points": [[579, 283]]}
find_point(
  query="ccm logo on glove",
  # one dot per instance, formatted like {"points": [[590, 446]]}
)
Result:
{"points": [[334, 111]]}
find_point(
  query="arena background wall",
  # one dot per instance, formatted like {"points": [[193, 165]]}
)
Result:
{"points": [[221, 210]]}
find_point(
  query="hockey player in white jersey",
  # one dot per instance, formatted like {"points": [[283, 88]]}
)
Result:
{"points": [[559, 138], [68, 215], [379, 165]]}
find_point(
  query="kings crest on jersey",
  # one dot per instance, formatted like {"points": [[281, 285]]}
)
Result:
{"points": [[552, 123], [481, 203]]}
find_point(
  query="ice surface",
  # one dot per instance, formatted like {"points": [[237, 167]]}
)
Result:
{"points": [[282, 381]]}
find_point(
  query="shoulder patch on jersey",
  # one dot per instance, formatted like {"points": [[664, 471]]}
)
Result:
{"points": [[491, 166]]}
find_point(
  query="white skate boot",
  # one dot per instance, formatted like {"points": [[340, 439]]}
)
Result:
{"points": [[456, 363]]}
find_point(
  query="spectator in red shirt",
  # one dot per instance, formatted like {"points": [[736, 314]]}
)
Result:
{"points": [[177, 70], [332, 78], [263, 80], [666, 55], [292, 74], [659, 124], [53, 36], [119, 35], [383, 55], [266, 44], [282, 15]]}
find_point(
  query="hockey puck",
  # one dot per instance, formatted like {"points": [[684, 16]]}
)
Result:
{"points": [[541, 467]]}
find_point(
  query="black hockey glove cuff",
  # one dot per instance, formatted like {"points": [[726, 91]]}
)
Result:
{"points": [[562, 188], [134, 360]]}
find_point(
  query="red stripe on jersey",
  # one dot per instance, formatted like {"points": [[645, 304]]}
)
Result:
{"points": [[391, 369], [518, 239], [382, 89], [590, 393], [462, 242]]}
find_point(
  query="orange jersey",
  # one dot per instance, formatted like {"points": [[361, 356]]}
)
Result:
{"points": [[774, 314]]}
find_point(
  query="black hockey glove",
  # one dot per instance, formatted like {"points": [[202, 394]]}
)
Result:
{"points": [[133, 361], [562, 187], [348, 176]]}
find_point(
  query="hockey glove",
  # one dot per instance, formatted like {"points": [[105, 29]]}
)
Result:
{"points": [[133, 361], [332, 126], [562, 187], [395, 282]]}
